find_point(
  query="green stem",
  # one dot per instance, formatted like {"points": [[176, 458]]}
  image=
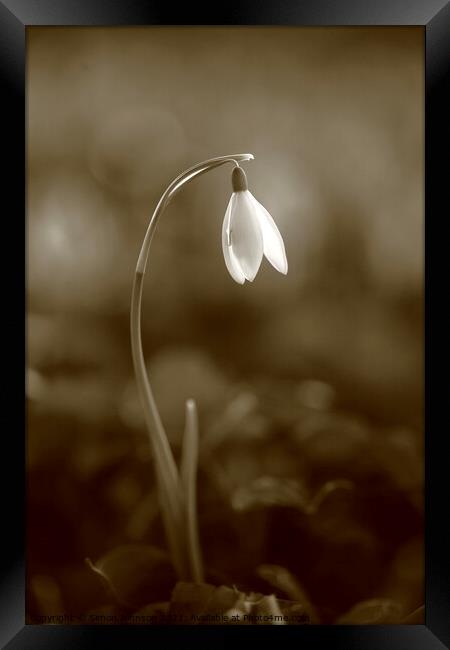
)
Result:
{"points": [[166, 470], [188, 476], [183, 545]]}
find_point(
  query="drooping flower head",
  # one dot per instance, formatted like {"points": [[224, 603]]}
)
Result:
{"points": [[248, 233]]}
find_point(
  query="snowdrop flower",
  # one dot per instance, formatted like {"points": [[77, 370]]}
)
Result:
{"points": [[248, 233]]}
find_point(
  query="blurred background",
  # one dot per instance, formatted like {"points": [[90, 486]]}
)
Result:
{"points": [[309, 385]]}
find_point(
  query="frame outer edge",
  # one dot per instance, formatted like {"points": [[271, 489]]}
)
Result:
{"points": [[437, 356], [12, 74]]}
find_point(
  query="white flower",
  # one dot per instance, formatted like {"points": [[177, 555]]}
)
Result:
{"points": [[248, 233]]}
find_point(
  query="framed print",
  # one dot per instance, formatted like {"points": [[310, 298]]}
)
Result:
{"points": [[234, 408]]}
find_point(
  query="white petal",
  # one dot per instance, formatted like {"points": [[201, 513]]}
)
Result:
{"points": [[230, 259], [273, 242], [246, 235]]}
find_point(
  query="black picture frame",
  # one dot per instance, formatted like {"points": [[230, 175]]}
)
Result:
{"points": [[434, 16]]}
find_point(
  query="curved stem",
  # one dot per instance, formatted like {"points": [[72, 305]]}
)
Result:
{"points": [[173, 188], [166, 470]]}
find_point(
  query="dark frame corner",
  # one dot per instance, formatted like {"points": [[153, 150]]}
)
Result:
{"points": [[434, 16]]}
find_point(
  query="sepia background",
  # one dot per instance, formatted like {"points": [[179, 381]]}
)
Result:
{"points": [[309, 385]]}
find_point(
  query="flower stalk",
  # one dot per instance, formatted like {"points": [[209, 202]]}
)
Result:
{"points": [[176, 489]]}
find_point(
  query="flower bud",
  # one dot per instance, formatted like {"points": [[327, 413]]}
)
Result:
{"points": [[239, 180]]}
